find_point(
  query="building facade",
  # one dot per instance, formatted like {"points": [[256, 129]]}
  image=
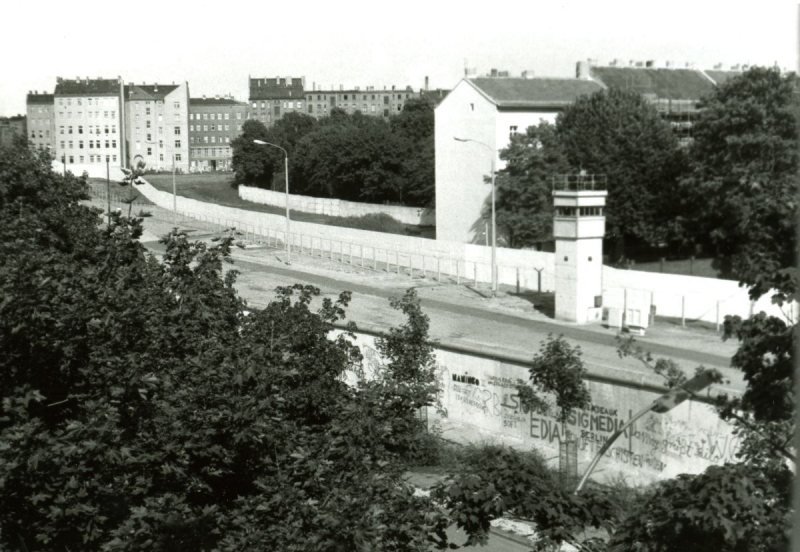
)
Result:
{"points": [[484, 113], [10, 127], [41, 120], [213, 124], [271, 99], [157, 125], [375, 103], [674, 91], [88, 122]]}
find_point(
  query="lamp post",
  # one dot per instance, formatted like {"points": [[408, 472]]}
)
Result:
{"points": [[664, 403], [286, 176], [494, 219], [108, 188]]}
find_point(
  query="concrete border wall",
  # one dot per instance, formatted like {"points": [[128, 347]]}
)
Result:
{"points": [[704, 299], [337, 207], [478, 402]]}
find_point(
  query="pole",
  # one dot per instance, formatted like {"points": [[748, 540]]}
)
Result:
{"points": [[64, 163], [288, 220], [608, 444], [108, 190], [494, 235], [174, 195]]}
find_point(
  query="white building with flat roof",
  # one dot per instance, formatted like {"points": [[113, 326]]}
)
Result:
{"points": [[487, 110]]}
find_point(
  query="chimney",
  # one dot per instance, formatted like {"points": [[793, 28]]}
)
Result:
{"points": [[426, 82], [668, 64], [493, 72], [717, 66], [528, 74], [582, 70], [216, 97], [204, 96], [341, 87], [654, 64], [392, 87]]}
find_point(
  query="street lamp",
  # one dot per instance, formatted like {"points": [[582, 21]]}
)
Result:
{"points": [[286, 175], [662, 404], [494, 220]]}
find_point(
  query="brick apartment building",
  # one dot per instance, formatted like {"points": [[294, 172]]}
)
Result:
{"points": [[369, 101], [270, 99], [10, 127], [213, 124], [157, 125]]}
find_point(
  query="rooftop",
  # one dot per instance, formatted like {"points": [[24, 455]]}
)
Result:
{"points": [[87, 87], [720, 77], [672, 84], [276, 88], [137, 92], [215, 101], [34, 98], [533, 92]]}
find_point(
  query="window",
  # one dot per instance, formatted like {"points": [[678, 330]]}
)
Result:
{"points": [[566, 211], [177, 131], [80, 158], [70, 144], [177, 117], [191, 116], [219, 116], [161, 143], [177, 105], [113, 129], [105, 114], [512, 130], [91, 144], [149, 151], [147, 124], [227, 139], [205, 139], [386, 100], [114, 145], [161, 130], [160, 156], [147, 111], [106, 129], [106, 144], [62, 130], [69, 130], [114, 158], [191, 128], [138, 130], [212, 128], [177, 157], [227, 127], [239, 128], [591, 211], [80, 144], [205, 116], [71, 159], [227, 116], [239, 116], [160, 118], [472, 107], [213, 139], [177, 143], [205, 128], [62, 144], [255, 104], [310, 108]]}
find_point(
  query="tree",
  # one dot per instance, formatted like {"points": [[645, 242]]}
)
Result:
{"points": [[252, 163], [144, 408], [619, 134], [524, 205], [415, 125], [744, 185]]}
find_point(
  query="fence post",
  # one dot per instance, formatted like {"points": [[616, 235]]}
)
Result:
{"points": [[683, 311], [458, 272], [438, 269], [423, 266], [517, 280], [374, 258], [539, 279], [476, 275], [717, 314], [410, 265]]}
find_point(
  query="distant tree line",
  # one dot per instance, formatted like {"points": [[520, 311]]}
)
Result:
{"points": [[352, 157]]}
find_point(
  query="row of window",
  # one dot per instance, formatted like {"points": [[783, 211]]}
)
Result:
{"points": [[93, 158], [210, 139], [207, 116], [89, 114], [93, 144], [579, 211], [212, 128], [88, 129], [138, 105], [160, 144], [211, 152], [89, 101], [277, 103], [33, 134]]}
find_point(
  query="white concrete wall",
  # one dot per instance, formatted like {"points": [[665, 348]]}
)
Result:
{"points": [[687, 439], [336, 207], [668, 289]]}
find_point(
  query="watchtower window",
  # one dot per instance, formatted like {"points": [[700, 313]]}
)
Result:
{"points": [[591, 212], [566, 212]]}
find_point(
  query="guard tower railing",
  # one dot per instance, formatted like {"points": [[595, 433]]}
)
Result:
{"points": [[579, 182]]}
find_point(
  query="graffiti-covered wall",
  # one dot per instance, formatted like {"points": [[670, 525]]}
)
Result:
{"points": [[478, 401]]}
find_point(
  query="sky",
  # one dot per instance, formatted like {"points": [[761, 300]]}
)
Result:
{"points": [[215, 45]]}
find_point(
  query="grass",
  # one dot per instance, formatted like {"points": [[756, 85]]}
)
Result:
{"points": [[218, 188]]}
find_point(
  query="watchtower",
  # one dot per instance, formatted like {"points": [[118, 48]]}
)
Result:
{"points": [[579, 225]]}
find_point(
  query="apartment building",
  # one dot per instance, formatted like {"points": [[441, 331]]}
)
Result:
{"points": [[10, 127], [271, 99], [41, 120], [157, 125], [213, 124], [369, 101], [88, 123]]}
